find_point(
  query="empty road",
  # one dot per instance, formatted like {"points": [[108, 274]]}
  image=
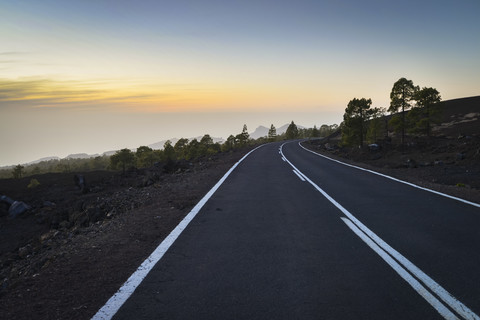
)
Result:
{"points": [[292, 235]]}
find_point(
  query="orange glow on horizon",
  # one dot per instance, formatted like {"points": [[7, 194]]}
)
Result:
{"points": [[123, 96]]}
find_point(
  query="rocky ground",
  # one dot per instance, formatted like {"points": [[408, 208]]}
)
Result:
{"points": [[71, 251], [454, 170]]}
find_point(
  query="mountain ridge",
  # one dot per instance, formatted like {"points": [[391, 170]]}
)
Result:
{"points": [[262, 131]]}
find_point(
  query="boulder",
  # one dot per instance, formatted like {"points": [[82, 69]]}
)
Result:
{"points": [[17, 208], [81, 183], [6, 200]]}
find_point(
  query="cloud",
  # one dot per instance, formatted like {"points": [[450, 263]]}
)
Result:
{"points": [[12, 53], [33, 89], [114, 94]]}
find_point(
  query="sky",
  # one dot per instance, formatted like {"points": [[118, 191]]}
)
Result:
{"points": [[93, 76]]}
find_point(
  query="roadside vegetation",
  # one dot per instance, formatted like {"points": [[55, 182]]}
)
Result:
{"points": [[412, 112], [172, 155]]}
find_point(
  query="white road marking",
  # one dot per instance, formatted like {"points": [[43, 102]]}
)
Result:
{"points": [[440, 307], [298, 175], [443, 294], [127, 289], [392, 178]]}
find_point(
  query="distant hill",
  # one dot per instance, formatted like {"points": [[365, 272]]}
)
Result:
{"points": [[460, 116], [109, 153], [42, 159], [262, 131], [284, 128], [159, 145], [70, 156], [81, 156]]}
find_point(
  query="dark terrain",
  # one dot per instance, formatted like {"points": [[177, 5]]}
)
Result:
{"points": [[65, 257]]}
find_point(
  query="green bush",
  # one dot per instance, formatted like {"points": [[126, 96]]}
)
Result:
{"points": [[33, 184]]}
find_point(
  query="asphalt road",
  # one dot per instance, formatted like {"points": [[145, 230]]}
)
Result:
{"points": [[326, 242]]}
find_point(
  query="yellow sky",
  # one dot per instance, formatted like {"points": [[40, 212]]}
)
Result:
{"points": [[136, 72]]}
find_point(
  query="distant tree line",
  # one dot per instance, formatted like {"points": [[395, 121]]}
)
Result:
{"points": [[57, 166], [412, 110], [293, 132], [183, 149]]}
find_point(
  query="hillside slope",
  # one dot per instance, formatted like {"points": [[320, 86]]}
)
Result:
{"points": [[449, 160]]}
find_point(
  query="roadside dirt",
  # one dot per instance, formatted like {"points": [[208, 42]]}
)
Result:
{"points": [[70, 253], [459, 178]]}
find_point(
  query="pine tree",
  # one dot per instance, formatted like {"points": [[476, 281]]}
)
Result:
{"points": [[292, 131], [272, 133]]}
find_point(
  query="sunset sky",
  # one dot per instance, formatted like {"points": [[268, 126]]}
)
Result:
{"points": [[92, 76]]}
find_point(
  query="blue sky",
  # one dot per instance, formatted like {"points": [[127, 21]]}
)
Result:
{"points": [[123, 64]]}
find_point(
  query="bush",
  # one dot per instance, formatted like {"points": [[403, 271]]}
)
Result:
{"points": [[33, 184]]}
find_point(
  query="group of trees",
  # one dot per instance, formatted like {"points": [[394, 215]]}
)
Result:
{"points": [[412, 110], [238, 141], [56, 166], [183, 149], [293, 132], [18, 171], [422, 103]]}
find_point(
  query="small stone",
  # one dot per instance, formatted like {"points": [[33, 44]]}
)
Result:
{"points": [[411, 163], [49, 204], [25, 251]]}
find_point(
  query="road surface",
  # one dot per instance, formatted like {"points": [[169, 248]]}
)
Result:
{"points": [[292, 235]]}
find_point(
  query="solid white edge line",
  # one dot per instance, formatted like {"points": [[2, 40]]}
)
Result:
{"points": [[118, 299], [392, 178], [455, 304], [434, 302]]}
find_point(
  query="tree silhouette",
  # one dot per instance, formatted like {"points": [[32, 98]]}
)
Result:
{"points": [[169, 151], [402, 93], [426, 110], [181, 148], [376, 124], [229, 144], [292, 131], [206, 145], [315, 132], [18, 171], [124, 158], [193, 149], [272, 133], [206, 140], [243, 137], [355, 116]]}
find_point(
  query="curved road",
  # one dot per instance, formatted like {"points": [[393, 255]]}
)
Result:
{"points": [[292, 235]]}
